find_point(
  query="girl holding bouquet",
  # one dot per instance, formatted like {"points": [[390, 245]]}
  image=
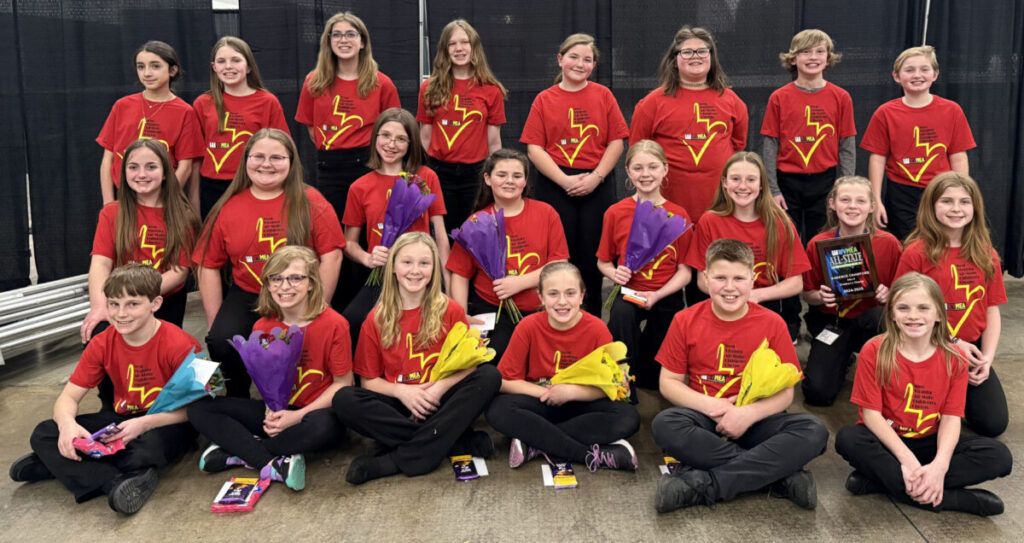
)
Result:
{"points": [[461, 110], [394, 150], [416, 422], [574, 136], [951, 244], [578, 423], [659, 282], [743, 209], [266, 206], [242, 431], [850, 212], [534, 236]]}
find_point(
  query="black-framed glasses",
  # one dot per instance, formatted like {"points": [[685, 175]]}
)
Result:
{"points": [[690, 53], [293, 280]]}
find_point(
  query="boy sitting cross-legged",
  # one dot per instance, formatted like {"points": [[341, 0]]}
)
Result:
{"points": [[703, 355], [140, 353]]}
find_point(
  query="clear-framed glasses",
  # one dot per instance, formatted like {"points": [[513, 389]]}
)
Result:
{"points": [[397, 140], [293, 280], [350, 35], [274, 159], [699, 53]]}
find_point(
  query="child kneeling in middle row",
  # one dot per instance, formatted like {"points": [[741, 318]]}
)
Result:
{"points": [[704, 354]]}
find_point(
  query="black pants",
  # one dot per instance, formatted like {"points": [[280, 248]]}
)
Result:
{"points": [[771, 449], [806, 199], [90, 477], [335, 172], [210, 190], [237, 426], [581, 219], [503, 326], [357, 310], [901, 203], [236, 316], [566, 431], [459, 185], [825, 370], [975, 459], [986, 411], [418, 447], [641, 346]]}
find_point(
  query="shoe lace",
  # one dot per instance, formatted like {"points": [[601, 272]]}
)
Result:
{"points": [[597, 458]]}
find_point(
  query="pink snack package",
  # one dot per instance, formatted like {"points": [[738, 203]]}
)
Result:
{"points": [[97, 449], [240, 494]]}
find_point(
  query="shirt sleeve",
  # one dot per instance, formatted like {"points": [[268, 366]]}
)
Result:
{"points": [[421, 106], [495, 106], [876, 137], [514, 360], [866, 392], [963, 138], [533, 130], [739, 127], [190, 142], [996, 288], [103, 241], [212, 254], [617, 127], [389, 95], [770, 124], [558, 248], [606, 250], [437, 207], [277, 118], [813, 277], [369, 359], [304, 111], [460, 262], [340, 361], [642, 123], [956, 397], [89, 371], [326, 230]]}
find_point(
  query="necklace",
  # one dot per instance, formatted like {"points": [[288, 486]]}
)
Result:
{"points": [[158, 105]]}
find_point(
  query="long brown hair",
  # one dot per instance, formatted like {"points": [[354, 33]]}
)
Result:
{"points": [[294, 209], [832, 219], [442, 81], [217, 86], [976, 242], [327, 63], [277, 264], [668, 70], [484, 194], [180, 218], [573, 41], [886, 368], [769, 213], [414, 156], [389, 306]]}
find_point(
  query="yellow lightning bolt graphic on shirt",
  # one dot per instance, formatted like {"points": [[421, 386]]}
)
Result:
{"points": [[261, 238], [721, 367], [235, 134], [345, 117], [520, 268], [301, 377], [152, 248], [143, 393], [763, 267], [968, 296], [927, 151], [466, 121], [657, 262], [709, 127], [558, 361], [425, 360], [818, 127], [581, 130], [921, 417]]}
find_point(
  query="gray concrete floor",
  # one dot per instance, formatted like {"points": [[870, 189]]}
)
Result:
{"points": [[508, 504]]}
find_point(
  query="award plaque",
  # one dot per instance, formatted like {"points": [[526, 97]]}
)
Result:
{"points": [[848, 266]]}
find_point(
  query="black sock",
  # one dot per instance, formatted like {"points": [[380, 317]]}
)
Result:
{"points": [[367, 468]]}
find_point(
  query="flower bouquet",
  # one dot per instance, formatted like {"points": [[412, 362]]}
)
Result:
{"points": [[600, 369], [484, 238], [765, 375], [195, 378], [463, 349], [410, 198], [653, 229], [272, 361]]}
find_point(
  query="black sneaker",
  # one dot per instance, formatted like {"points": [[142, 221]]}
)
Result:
{"points": [[617, 455], [29, 469], [290, 470], [972, 500], [475, 443], [859, 484], [129, 492], [215, 460], [684, 488], [798, 488]]}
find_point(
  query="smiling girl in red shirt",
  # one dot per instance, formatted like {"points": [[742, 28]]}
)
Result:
{"points": [[461, 109]]}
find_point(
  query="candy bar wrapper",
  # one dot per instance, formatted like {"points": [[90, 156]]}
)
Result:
{"points": [[564, 476], [671, 464], [240, 494], [97, 449], [464, 468], [105, 431]]}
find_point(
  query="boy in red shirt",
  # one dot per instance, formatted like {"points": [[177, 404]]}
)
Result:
{"points": [[139, 353], [702, 358]]}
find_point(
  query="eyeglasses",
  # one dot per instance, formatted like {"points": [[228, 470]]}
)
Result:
{"points": [[690, 53], [397, 140], [274, 159], [293, 280], [350, 35]]}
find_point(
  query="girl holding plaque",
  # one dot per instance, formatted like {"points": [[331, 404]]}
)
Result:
{"points": [[841, 328], [951, 244]]}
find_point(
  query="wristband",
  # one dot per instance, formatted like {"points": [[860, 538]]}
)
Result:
{"points": [[598, 174]]}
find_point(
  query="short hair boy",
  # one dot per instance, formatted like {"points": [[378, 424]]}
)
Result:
{"points": [[702, 358]]}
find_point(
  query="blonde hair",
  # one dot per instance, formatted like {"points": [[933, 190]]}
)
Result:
{"points": [[389, 306], [668, 70], [650, 147], [926, 51], [277, 264], [976, 242], [555, 267], [806, 39], [886, 367], [832, 219], [573, 41], [768, 212], [327, 63], [442, 81]]}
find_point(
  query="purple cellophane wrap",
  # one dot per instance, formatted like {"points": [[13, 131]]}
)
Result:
{"points": [[272, 362], [484, 239], [406, 204], [652, 231]]}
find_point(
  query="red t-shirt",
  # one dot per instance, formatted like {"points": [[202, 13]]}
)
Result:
{"points": [[884, 247], [402, 362], [339, 117], [917, 397], [790, 258], [367, 204], [618, 222], [139, 373], [534, 236], [459, 128], [917, 141], [249, 230], [575, 127], [538, 351], [808, 126], [152, 237], [244, 116], [326, 352], [173, 123], [699, 130], [968, 295], [713, 352]]}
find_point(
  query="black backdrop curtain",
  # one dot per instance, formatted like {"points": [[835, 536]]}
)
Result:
{"points": [[86, 47]]}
